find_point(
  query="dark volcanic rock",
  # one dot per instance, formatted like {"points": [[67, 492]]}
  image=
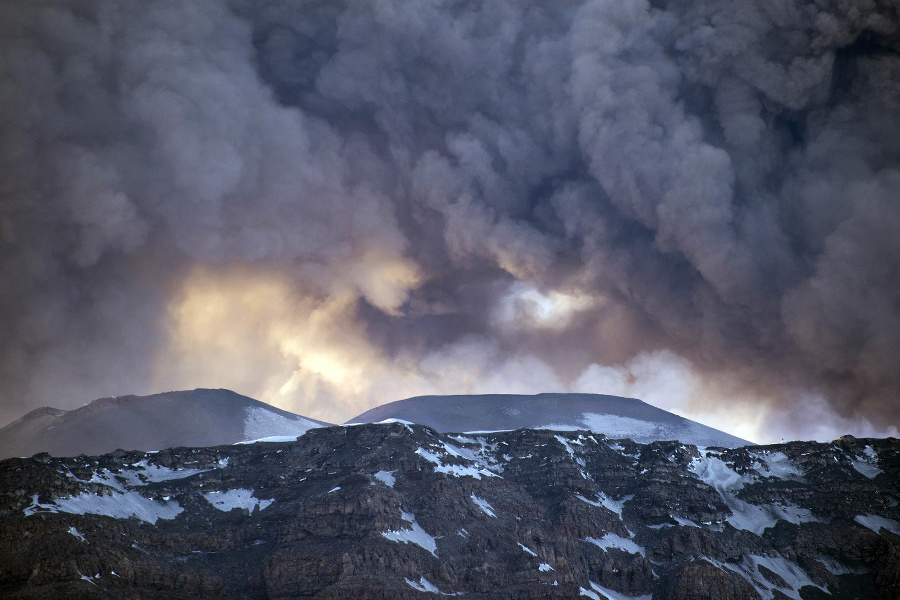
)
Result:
{"points": [[701, 580], [401, 511]]}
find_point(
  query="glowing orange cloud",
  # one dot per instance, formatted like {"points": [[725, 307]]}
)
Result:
{"points": [[258, 333]]}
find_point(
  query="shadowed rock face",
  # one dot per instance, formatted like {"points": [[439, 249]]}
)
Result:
{"points": [[199, 417], [613, 416], [402, 511]]}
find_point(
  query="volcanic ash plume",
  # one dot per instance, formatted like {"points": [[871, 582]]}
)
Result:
{"points": [[329, 205]]}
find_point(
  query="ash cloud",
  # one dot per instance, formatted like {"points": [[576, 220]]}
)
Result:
{"points": [[713, 181]]}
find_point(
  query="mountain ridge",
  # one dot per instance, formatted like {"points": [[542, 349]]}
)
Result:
{"points": [[614, 416], [211, 417], [200, 417], [402, 511]]}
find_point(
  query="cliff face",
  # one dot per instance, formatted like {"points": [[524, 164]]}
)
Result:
{"points": [[400, 511]]}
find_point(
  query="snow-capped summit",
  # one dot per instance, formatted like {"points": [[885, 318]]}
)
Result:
{"points": [[201, 417], [206, 417], [613, 416]]}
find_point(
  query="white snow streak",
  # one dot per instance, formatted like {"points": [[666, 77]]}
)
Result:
{"points": [[120, 505], [614, 426], [413, 535], [712, 470], [793, 575], [866, 468], [876, 523], [607, 502], [484, 506], [260, 423], [867, 464], [611, 540], [389, 421], [578, 460], [230, 499], [430, 456], [777, 464], [610, 594], [270, 439], [715, 472], [423, 585], [143, 473], [477, 471], [757, 519], [385, 477]]}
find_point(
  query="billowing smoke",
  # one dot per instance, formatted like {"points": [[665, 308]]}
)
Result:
{"points": [[330, 204]]}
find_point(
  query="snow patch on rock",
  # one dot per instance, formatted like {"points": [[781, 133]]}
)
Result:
{"points": [[142, 473], [228, 500], [414, 534], [757, 519], [876, 523], [270, 439], [578, 460], [118, 505], [484, 506], [867, 464], [777, 464], [749, 568], [611, 540], [476, 470], [423, 585], [607, 502], [716, 473], [608, 593], [385, 477], [614, 426], [260, 423]]}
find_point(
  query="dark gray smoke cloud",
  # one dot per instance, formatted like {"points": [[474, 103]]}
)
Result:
{"points": [[725, 175]]}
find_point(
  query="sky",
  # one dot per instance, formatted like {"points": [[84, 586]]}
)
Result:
{"points": [[329, 205]]}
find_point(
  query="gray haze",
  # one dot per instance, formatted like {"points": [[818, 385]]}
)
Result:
{"points": [[715, 179]]}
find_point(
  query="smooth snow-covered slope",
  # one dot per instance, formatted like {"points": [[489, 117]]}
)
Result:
{"points": [[612, 416], [201, 417]]}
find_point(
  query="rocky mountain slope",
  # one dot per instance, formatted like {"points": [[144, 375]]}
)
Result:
{"points": [[199, 417], [402, 511], [613, 416]]}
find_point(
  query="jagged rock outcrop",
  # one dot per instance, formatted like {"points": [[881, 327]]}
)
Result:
{"points": [[401, 511]]}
